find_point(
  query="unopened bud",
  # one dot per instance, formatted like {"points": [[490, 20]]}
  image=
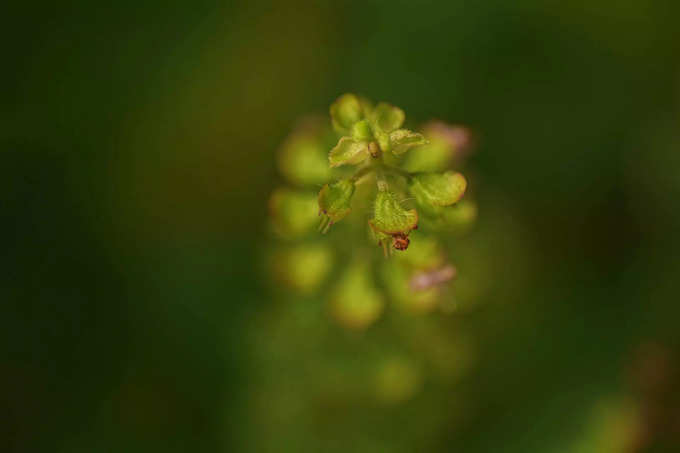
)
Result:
{"points": [[391, 219], [335, 202]]}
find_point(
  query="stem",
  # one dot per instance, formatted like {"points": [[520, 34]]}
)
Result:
{"points": [[325, 224], [380, 169], [380, 178], [361, 173], [397, 171]]}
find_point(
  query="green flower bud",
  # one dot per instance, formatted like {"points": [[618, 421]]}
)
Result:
{"points": [[303, 158], [391, 219], [460, 216], [348, 152], [302, 268], [402, 140], [293, 213], [356, 303], [386, 118], [346, 111], [438, 189], [435, 156], [446, 144], [383, 140], [361, 131], [366, 106], [334, 202]]}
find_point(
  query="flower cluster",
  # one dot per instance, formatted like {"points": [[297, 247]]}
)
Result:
{"points": [[378, 180]]}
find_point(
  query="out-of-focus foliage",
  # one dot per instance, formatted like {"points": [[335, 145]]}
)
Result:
{"points": [[137, 156], [355, 302]]}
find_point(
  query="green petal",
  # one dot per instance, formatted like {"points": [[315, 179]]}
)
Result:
{"points": [[402, 140], [348, 152], [390, 217], [346, 111], [438, 189]]}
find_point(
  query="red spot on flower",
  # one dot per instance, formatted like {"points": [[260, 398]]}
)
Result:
{"points": [[400, 241]]}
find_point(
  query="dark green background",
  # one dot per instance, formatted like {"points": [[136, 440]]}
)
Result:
{"points": [[137, 154]]}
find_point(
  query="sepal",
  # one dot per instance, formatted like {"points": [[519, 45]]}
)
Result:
{"points": [[438, 189], [390, 217], [392, 222], [348, 151], [335, 202], [402, 140]]}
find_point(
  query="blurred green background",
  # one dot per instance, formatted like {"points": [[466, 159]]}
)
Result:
{"points": [[137, 145]]}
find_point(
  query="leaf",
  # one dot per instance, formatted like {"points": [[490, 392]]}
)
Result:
{"points": [[346, 111], [348, 152], [438, 189], [390, 217], [386, 117], [402, 140]]}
